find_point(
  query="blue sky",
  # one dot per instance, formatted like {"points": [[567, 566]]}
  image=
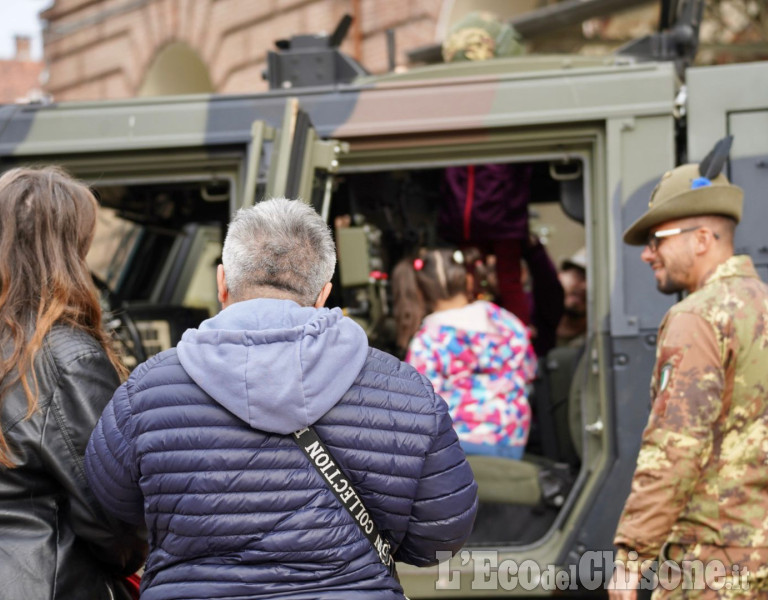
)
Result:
{"points": [[20, 17]]}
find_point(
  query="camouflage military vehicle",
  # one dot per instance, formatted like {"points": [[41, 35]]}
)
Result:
{"points": [[368, 153]]}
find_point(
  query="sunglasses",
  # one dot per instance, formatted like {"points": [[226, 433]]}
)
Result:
{"points": [[654, 239]]}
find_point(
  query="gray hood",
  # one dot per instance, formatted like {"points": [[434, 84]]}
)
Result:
{"points": [[276, 365]]}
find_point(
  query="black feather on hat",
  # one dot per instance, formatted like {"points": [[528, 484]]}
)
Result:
{"points": [[712, 164]]}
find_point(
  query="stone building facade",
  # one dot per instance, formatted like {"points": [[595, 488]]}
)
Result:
{"points": [[98, 49], [121, 48]]}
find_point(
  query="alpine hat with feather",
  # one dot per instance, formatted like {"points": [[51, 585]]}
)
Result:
{"points": [[689, 191]]}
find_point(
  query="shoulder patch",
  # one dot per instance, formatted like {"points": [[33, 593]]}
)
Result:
{"points": [[665, 376]]}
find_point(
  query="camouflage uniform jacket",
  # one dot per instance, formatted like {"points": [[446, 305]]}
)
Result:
{"points": [[701, 479]]}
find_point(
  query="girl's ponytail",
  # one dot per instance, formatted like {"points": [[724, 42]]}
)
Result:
{"points": [[437, 274], [408, 300]]}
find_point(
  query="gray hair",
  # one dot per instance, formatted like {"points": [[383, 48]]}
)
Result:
{"points": [[280, 244]]}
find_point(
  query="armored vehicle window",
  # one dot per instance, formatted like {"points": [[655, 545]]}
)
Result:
{"points": [[155, 255], [153, 221], [111, 248]]}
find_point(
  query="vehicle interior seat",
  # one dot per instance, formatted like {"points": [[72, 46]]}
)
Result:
{"points": [[561, 367], [506, 481], [546, 478]]}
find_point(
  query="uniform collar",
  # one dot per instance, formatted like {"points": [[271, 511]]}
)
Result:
{"points": [[736, 266]]}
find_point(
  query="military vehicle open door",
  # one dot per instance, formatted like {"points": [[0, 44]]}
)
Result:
{"points": [[305, 163]]}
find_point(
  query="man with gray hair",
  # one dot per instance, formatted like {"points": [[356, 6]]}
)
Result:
{"points": [[280, 249], [205, 442]]}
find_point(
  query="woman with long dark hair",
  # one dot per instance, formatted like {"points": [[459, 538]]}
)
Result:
{"points": [[57, 372]]}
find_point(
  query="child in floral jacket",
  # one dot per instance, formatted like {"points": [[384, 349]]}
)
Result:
{"points": [[477, 355]]}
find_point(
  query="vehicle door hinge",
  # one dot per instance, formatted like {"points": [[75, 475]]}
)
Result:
{"points": [[326, 154]]}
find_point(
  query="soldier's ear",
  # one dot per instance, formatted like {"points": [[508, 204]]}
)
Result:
{"points": [[703, 239]]}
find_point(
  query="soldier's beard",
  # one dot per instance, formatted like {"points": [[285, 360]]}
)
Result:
{"points": [[669, 286], [673, 271], [671, 279]]}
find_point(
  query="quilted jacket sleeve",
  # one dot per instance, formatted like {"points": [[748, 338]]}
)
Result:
{"points": [[109, 463], [85, 381], [446, 501]]}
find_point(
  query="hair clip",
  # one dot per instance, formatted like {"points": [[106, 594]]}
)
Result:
{"points": [[458, 257], [418, 264]]}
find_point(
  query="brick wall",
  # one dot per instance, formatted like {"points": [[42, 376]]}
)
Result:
{"points": [[98, 49], [20, 76]]}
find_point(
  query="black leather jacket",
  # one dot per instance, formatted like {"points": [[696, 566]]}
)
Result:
{"points": [[55, 541]]}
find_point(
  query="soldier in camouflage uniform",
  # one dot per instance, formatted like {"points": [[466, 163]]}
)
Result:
{"points": [[700, 489], [479, 36]]}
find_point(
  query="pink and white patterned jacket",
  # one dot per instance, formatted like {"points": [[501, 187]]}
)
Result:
{"points": [[480, 360]]}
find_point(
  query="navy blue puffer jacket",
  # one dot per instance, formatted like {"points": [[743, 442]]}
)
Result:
{"points": [[195, 444]]}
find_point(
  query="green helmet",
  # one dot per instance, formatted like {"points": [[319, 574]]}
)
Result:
{"points": [[480, 36]]}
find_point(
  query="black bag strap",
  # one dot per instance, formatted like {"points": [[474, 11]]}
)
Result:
{"points": [[322, 460]]}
